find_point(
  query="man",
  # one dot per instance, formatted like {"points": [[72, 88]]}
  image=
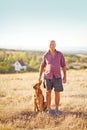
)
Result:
{"points": [[52, 61]]}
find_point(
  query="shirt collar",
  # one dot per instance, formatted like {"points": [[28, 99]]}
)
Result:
{"points": [[49, 51]]}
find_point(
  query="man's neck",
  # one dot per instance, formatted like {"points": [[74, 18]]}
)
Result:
{"points": [[52, 52]]}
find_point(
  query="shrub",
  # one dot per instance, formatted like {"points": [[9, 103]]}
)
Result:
{"points": [[83, 67], [70, 67]]}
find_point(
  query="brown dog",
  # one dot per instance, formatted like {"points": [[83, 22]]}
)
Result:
{"points": [[39, 104]]}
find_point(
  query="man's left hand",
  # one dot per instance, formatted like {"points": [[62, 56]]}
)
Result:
{"points": [[64, 79]]}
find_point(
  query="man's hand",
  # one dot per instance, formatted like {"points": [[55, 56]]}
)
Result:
{"points": [[64, 79]]}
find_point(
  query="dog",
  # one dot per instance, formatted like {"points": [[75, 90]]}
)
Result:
{"points": [[39, 104]]}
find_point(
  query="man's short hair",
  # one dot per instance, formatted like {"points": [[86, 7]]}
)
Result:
{"points": [[52, 41]]}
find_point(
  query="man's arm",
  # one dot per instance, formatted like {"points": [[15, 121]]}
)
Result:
{"points": [[64, 74], [40, 72]]}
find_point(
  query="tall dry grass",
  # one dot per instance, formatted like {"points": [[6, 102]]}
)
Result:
{"points": [[16, 103]]}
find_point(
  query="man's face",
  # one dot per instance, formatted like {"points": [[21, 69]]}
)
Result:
{"points": [[52, 46]]}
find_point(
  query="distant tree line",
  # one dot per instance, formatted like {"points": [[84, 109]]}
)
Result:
{"points": [[32, 60]]}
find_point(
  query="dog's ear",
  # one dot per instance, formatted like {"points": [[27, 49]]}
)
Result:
{"points": [[39, 83], [34, 86]]}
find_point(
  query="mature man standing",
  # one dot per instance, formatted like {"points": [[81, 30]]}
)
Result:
{"points": [[53, 61]]}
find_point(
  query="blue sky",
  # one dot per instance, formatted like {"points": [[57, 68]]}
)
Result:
{"points": [[31, 24]]}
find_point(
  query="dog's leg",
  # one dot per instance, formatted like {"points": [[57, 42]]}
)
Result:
{"points": [[44, 106], [41, 103], [36, 109], [41, 106], [34, 105]]}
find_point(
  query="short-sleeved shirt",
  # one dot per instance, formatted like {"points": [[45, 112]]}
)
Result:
{"points": [[53, 64]]}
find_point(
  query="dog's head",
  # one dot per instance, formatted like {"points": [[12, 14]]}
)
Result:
{"points": [[37, 85]]}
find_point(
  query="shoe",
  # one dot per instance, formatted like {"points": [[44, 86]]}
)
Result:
{"points": [[57, 112], [49, 112]]}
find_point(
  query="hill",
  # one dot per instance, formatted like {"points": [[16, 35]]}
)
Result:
{"points": [[17, 106]]}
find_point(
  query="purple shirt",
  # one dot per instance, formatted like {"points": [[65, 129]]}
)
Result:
{"points": [[53, 64]]}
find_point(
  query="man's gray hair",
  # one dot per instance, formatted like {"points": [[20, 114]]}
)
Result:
{"points": [[53, 41]]}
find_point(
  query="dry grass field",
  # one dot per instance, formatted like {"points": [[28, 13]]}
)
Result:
{"points": [[16, 103]]}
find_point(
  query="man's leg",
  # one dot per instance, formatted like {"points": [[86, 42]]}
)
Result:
{"points": [[57, 100], [48, 99]]}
